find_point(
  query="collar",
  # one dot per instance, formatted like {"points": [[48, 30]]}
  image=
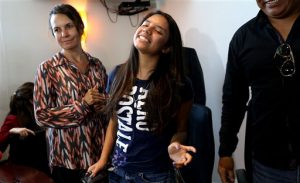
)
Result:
{"points": [[59, 59]]}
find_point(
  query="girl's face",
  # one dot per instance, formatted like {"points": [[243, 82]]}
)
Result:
{"points": [[151, 37], [65, 32]]}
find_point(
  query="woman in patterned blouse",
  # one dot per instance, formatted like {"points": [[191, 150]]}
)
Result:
{"points": [[67, 100]]}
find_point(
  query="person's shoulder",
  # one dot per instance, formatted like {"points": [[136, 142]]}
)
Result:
{"points": [[53, 61], [92, 58], [116, 68], [113, 72], [245, 32], [243, 29], [250, 25], [11, 117], [10, 120]]}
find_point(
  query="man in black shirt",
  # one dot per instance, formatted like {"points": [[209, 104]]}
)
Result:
{"points": [[262, 79]]}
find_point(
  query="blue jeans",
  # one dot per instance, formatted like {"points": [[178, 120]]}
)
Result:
{"points": [[119, 175], [264, 174]]}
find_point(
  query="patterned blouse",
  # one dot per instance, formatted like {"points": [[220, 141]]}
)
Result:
{"points": [[75, 133]]}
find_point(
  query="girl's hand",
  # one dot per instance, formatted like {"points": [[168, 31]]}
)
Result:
{"points": [[23, 132], [180, 154], [95, 168]]}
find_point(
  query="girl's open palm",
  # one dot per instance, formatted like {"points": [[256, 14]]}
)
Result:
{"points": [[180, 154]]}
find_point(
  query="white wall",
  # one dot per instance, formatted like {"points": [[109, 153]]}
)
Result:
{"points": [[206, 25]]}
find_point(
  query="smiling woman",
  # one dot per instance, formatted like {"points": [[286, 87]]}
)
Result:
{"points": [[67, 101], [150, 99]]}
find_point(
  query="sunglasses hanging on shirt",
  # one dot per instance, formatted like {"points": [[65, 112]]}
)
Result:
{"points": [[284, 60]]}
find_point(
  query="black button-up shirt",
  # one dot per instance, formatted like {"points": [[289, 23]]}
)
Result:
{"points": [[273, 123]]}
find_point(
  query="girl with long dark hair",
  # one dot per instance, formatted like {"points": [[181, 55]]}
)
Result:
{"points": [[150, 100]]}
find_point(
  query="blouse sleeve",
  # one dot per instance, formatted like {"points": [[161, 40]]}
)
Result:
{"points": [[47, 112]]}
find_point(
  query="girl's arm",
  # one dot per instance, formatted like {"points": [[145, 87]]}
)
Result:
{"points": [[178, 152], [108, 146]]}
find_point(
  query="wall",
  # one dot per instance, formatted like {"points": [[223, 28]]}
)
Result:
{"points": [[206, 25]]}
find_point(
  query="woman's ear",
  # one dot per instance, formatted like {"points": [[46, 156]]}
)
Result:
{"points": [[166, 50]]}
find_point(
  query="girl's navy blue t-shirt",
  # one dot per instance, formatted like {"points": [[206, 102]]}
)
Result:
{"points": [[137, 148]]}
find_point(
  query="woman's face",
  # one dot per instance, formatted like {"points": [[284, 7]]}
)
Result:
{"points": [[151, 37], [278, 8], [65, 32]]}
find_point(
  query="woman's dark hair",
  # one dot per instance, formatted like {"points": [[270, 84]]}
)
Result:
{"points": [[163, 97], [21, 104], [71, 13]]}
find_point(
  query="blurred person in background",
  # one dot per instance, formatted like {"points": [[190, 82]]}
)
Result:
{"points": [[20, 132]]}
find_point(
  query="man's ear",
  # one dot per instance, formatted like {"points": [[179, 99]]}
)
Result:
{"points": [[166, 50]]}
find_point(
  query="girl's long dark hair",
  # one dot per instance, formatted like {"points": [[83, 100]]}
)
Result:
{"points": [[21, 105], [163, 97]]}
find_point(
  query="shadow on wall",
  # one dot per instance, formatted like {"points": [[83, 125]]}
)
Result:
{"points": [[214, 72]]}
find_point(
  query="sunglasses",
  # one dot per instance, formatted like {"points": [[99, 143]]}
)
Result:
{"points": [[285, 61]]}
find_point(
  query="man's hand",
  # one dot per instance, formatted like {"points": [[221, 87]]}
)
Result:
{"points": [[226, 169]]}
